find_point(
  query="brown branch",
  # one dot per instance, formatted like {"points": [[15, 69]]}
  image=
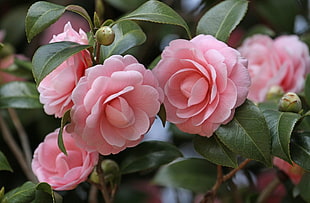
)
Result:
{"points": [[210, 195], [8, 138], [22, 136]]}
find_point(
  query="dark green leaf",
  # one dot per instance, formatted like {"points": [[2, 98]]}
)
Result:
{"points": [[148, 155], [44, 193], [123, 5], [300, 150], [4, 164], [304, 186], [19, 95], [157, 12], [307, 89], [197, 175], [162, 115], [213, 150], [281, 125], [22, 194], [247, 134], [40, 16], [60, 141], [2, 194], [260, 29], [222, 19], [50, 56], [81, 11], [128, 34], [280, 14]]}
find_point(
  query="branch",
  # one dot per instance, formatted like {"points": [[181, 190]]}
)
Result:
{"points": [[22, 136], [8, 138]]}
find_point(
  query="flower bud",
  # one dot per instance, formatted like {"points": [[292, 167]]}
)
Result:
{"points": [[6, 50], [275, 92], [94, 177], [105, 35], [111, 171], [290, 102]]}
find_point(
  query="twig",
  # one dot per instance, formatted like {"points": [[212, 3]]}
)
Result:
{"points": [[22, 136], [210, 195], [92, 198], [8, 138], [103, 188], [268, 190]]}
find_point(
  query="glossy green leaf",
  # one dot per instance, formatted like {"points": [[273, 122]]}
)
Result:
{"points": [[214, 151], [50, 56], [40, 16], [22, 194], [82, 12], [247, 134], [148, 155], [281, 125], [300, 150], [162, 115], [307, 89], [4, 164], [44, 193], [197, 175], [123, 5], [280, 14], [157, 12], [60, 141], [128, 34], [222, 19], [19, 95], [304, 186]]}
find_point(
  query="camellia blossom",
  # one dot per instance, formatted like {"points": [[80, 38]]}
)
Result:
{"points": [[294, 171], [204, 80], [114, 105], [62, 172], [282, 62], [56, 88]]}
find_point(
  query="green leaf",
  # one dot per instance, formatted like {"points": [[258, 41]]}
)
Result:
{"points": [[157, 12], [197, 175], [82, 12], [215, 151], [60, 141], [304, 186], [222, 19], [280, 14], [19, 95], [2, 194], [40, 16], [307, 89], [44, 193], [128, 34], [4, 164], [148, 155], [22, 194], [247, 134], [300, 150], [281, 125], [123, 5], [50, 56], [260, 29], [162, 115]]}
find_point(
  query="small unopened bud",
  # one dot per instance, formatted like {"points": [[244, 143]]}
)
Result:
{"points": [[105, 35], [6, 50], [111, 171], [290, 102], [94, 177], [275, 92]]}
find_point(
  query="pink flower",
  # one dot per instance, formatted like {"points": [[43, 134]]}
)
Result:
{"points": [[62, 172], [114, 105], [56, 88], [204, 80], [294, 171], [282, 62]]}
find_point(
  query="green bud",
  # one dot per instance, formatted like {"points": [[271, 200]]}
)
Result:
{"points": [[275, 92], [94, 177], [290, 102], [105, 35], [6, 50], [111, 171]]}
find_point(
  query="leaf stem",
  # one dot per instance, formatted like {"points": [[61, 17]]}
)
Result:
{"points": [[22, 136], [8, 138], [103, 188]]}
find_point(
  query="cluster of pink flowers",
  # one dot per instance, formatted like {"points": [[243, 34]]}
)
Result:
{"points": [[200, 82]]}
